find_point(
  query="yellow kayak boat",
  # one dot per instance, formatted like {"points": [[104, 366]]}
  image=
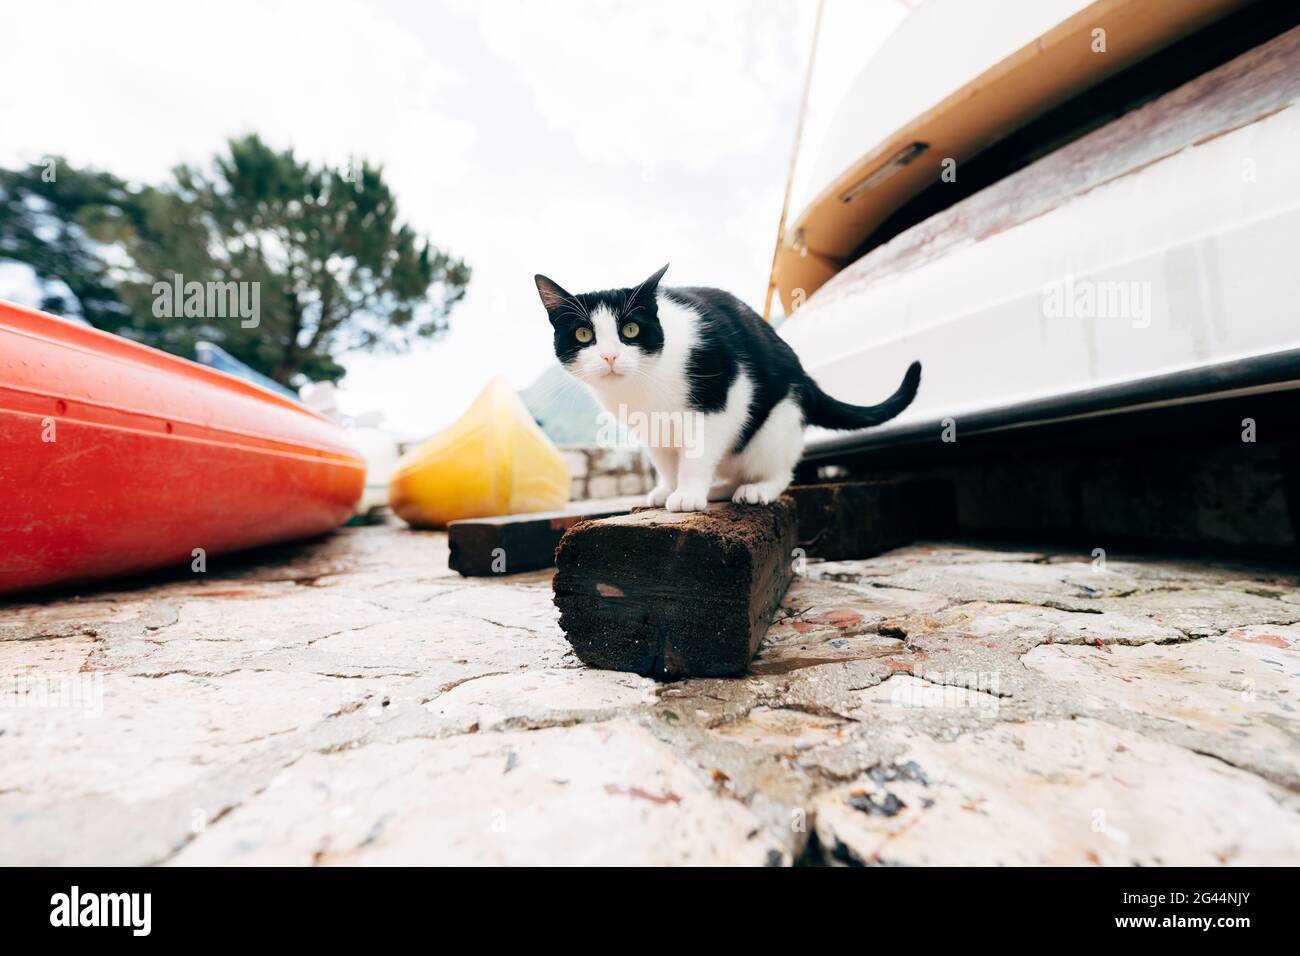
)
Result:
{"points": [[493, 460]]}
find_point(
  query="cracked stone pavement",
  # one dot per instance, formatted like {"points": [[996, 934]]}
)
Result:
{"points": [[350, 700]]}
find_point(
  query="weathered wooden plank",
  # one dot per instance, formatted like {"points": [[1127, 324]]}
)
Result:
{"points": [[850, 519], [857, 519], [510, 544], [675, 595]]}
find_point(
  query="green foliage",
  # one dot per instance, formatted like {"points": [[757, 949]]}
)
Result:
{"points": [[46, 223], [335, 268]]}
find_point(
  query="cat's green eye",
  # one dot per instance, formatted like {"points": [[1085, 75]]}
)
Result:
{"points": [[630, 330], [583, 334]]}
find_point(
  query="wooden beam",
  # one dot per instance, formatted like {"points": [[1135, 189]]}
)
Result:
{"points": [[839, 521], [849, 519], [509, 544], [675, 595]]}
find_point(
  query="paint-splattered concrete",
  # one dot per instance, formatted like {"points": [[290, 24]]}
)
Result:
{"points": [[350, 700]]}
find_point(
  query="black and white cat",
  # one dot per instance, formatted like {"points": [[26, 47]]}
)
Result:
{"points": [[719, 399]]}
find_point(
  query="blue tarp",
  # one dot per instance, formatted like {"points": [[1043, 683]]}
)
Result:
{"points": [[214, 356]]}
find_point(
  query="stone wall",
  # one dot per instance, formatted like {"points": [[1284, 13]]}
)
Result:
{"points": [[598, 472]]}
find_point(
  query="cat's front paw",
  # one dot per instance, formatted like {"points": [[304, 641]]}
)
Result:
{"points": [[687, 501], [658, 495], [758, 493]]}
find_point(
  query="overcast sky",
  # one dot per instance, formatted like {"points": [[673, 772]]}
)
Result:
{"points": [[592, 140]]}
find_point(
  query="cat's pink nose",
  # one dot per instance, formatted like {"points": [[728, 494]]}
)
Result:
{"points": [[610, 360]]}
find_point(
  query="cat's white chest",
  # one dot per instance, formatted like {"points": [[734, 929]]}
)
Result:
{"points": [[645, 402], [656, 390]]}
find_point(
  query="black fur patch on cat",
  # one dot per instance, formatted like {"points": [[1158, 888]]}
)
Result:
{"points": [[733, 335]]}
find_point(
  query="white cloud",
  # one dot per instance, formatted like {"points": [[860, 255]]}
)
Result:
{"points": [[682, 83], [138, 88]]}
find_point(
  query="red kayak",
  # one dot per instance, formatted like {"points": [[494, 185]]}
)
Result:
{"points": [[116, 457]]}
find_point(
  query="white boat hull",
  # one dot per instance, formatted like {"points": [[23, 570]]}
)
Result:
{"points": [[1180, 264]]}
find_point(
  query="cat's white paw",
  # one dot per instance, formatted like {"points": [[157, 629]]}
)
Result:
{"points": [[686, 501], [658, 495], [759, 493]]}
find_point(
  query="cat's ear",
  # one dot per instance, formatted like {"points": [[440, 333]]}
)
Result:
{"points": [[644, 294], [651, 284], [553, 296]]}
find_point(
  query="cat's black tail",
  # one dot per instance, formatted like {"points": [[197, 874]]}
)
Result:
{"points": [[825, 412]]}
